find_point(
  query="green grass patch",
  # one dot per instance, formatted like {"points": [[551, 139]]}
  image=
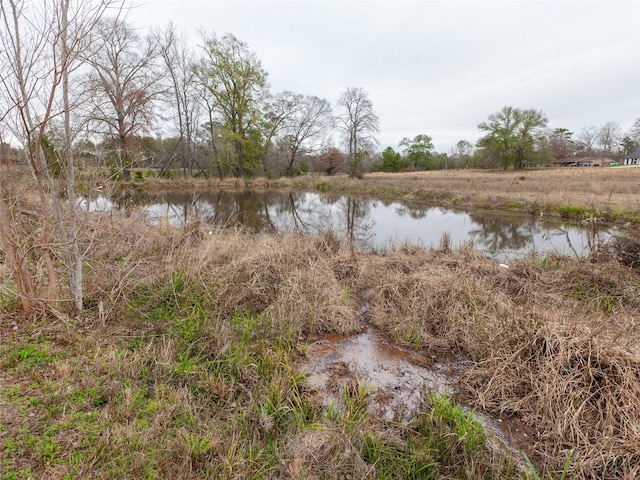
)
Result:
{"points": [[324, 186], [395, 461], [571, 212], [27, 355]]}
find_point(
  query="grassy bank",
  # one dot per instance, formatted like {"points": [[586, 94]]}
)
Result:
{"points": [[609, 194], [186, 366]]}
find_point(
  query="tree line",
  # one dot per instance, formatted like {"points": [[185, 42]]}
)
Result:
{"points": [[514, 138], [155, 101]]}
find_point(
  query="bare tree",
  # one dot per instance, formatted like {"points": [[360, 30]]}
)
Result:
{"points": [[587, 139], [178, 61], [634, 131], [305, 127], [631, 140], [560, 143], [461, 153], [41, 45], [609, 137], [124, 83], [276, 112], [358, 124]]}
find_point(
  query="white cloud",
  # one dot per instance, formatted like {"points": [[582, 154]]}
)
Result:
{"points": [[438, 67]]}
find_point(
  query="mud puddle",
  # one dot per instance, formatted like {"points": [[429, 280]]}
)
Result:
{"points": [[397, 384], [396, 379]]}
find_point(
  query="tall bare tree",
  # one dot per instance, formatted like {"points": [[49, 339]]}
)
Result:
{"points": [[307, 123], [41, 45], [276, 110], [587, 139], [631, 140], [609, 136], [124, 82], [461, 153], [634, 131], [560, 143], [181, 88], [358, 125]]}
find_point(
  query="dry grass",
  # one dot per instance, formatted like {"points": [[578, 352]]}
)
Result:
{"points": [[555, 346], [614, 188], [191, 373]]}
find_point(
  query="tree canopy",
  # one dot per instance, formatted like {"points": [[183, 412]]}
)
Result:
{"points": [[512, 134], [419, 151], [236, 83]]}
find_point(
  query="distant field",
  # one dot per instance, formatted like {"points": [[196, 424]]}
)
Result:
{"points": [[589, 187]]}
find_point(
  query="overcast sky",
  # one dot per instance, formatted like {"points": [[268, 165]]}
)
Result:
{"points": [[437, 67]]}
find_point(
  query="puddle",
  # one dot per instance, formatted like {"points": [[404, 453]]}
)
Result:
{"points": [[396, 379], [396, 383]]}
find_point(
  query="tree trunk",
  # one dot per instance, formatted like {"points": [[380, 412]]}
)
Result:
{"points": [[15, 258]]}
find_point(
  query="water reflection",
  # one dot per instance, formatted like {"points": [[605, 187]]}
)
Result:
{"points": [[368, 223]]}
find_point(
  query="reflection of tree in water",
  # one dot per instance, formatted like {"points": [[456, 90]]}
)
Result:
{"points": [[414, 212], [311, 212], [219, 208], [180, 207], [329, 198], [497, 233], [272, 211], [298, 212], [357, 224]]}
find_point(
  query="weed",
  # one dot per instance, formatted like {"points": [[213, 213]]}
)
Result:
{"points": [[470, 433], [391, 461], [571, 212], [563, 474], [29, 355], [445, 241], [324, 186], [454, 439], [355, 396], [8, 301]]}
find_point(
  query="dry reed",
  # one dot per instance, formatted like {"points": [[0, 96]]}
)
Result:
{"points": [[551, 342]]}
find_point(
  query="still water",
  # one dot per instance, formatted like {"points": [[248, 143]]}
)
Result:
{"points": [[370, 223]]}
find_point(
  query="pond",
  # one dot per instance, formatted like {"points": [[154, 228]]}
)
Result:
{"points": [[373, 224]]}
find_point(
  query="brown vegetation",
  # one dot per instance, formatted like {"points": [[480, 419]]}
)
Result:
{"points": [[550, 342]]}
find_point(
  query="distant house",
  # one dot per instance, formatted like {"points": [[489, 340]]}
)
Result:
{"points": [[582, 162], [633, 158]]}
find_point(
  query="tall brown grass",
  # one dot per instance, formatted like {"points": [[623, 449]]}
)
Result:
{"points": [[552, 342]]}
